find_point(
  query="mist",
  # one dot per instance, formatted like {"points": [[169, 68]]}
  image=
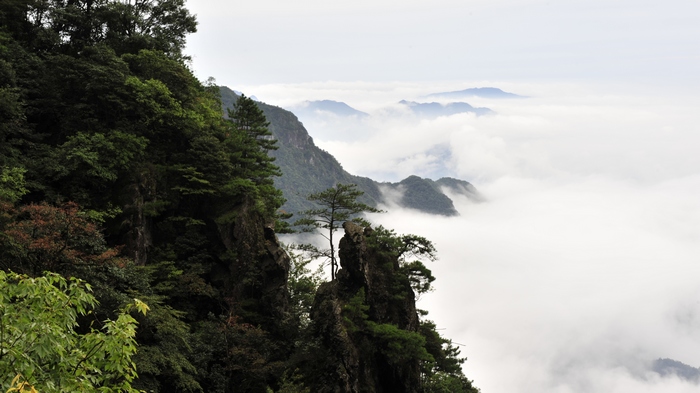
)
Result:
{"points": [[581, 267]]}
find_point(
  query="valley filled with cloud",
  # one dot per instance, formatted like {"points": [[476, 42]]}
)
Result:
{"points": [[580, 267]]}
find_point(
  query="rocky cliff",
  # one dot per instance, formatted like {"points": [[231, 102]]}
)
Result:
{"points": [[362, 316]]}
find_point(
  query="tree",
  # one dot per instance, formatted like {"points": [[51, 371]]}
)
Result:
{"points": [[302, 284], [255, 139], [65, 239], [249, 118], [11, 184], [39, 341], [250, 141], [338, 204], [410, 251]]}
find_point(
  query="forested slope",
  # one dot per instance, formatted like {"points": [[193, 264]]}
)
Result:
{"points": [[118, 167], [306, 169]]}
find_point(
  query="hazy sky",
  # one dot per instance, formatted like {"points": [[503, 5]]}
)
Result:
{"points": [[583, 264], [272, 41]]}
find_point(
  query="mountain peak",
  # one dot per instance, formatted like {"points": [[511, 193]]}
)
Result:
{"points": [[481, 92], [335, 107]]}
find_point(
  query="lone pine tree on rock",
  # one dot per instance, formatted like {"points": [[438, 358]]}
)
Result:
{"points": [[338, 205]]}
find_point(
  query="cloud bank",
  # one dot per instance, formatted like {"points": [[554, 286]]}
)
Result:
{"points": [[582, 266]]}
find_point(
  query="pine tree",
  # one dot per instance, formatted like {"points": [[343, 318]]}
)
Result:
{"points": [[255, 141], [338, 204]]}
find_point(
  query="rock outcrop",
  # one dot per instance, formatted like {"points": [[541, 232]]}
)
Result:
{"points": [[256, 274], [368, 292]]}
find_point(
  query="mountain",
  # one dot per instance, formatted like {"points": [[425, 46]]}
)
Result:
{"points": [[673, 367], [459, 187], [481, 92], [424, 195], [429, 196], [307, 169], [434, 109], [254, 98], [337, 108]]}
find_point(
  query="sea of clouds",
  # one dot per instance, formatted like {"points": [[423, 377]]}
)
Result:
{"points": [[583, 264]]}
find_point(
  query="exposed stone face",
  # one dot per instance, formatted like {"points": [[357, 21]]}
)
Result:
{"points": [[138, 235], [259, 268], [341, 373], [366, 268], [355, 364], [275, 267]]}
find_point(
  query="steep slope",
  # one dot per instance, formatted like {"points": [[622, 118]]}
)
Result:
{"points": [[367, 325], [328, 106], [306, 169], [424, 195]]}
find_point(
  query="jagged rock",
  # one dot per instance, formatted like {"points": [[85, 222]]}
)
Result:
{"points": [[136, 225], [354, 363], [258, 269], [342, 372]]}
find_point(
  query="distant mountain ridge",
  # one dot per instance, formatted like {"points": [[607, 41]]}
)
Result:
{"points": [[481, 92], [435, 109], [309, 109], [306, 169], [330, 106], [666, 367], [427, 195]]}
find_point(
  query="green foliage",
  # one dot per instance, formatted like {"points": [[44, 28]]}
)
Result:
{"points": [[306, 168], [112, 150], [152, 24], [445, 354], [12, 184], [419, 276], [163, 357], [410, 251], [355, 312], [338, 205], [302, 284], [444, 372], [251, 141], [100, 157], [442, 382], [292, 383], [125, 26], [248, 117], [398, 345], [39, 316], [250, 355]]}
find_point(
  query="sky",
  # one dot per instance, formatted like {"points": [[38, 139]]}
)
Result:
{"points": [[582, 265], [270, 41]]}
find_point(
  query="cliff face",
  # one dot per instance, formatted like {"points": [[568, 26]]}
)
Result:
{"points": [[256, 273], [349, 314]]}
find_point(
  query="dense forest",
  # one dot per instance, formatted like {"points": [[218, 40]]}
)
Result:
{"points": [[127, 194]]}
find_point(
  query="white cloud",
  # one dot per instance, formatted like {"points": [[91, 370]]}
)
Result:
{"points": [[561, 130], [581, 268], [568, 286]]}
